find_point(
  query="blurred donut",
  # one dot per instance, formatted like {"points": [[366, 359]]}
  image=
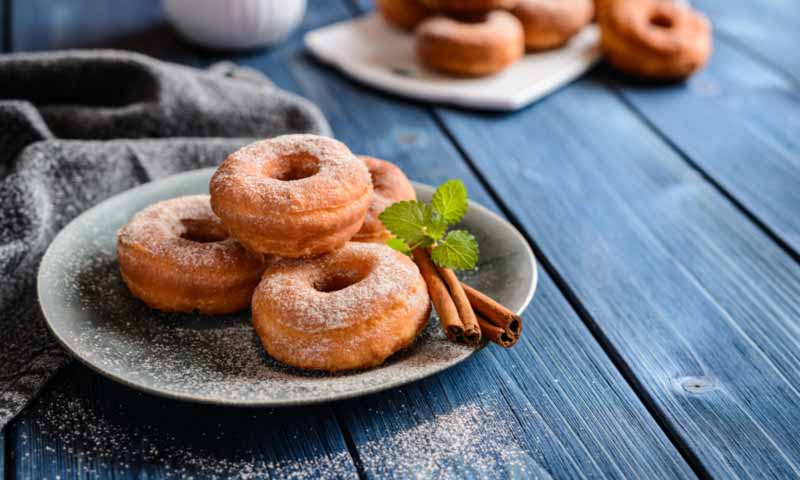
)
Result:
{"points": [[654, 39], [470, 48], [551, 23]]}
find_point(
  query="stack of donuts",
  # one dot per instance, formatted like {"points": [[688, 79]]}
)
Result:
{"points": [[656, 39], [290, 229], [482, 37]]}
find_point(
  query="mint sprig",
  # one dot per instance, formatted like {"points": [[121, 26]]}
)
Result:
{"points": [[418, 224], [407, 220]]}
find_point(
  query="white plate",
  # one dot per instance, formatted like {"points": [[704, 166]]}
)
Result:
{"points": [[371, 51]]}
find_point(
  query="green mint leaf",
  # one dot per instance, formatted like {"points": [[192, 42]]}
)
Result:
{"points": [[450, 201], [436, 225], [407, 220], [398, 245], [413, 222], [458, 250]]}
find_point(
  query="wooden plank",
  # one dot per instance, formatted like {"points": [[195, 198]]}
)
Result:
{"points": [[764, 27], [4, 22], [59, 24], [738, 122], [572, 413], [139, 26], [546, 408], [496, 415], [88, 427], [696, 301]]}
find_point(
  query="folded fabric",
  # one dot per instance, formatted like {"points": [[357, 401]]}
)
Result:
{"points": [[77, 127]]}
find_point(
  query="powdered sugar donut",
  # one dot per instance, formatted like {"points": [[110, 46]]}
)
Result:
{"points": [[351, 308], [176, 256], [293, 196], [389, 185]]}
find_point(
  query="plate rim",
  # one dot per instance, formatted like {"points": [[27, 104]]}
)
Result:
{"points": [[142, 387]]}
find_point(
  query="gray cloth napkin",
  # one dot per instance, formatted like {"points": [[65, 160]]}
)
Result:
{"points": [[77, 127]]}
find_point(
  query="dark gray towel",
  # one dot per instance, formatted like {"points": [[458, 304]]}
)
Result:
{"points": [[77, 127]]}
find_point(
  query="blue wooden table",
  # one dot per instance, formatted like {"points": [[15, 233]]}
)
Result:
{"points": [[664, 339]]}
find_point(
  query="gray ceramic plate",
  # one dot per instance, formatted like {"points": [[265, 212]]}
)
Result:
{"points": [[219, 359]]}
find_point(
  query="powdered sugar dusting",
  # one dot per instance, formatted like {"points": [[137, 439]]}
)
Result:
{"points": [[363, 300], [245, 182], [215, 359], [471, 440], [158, 230], [138, 435], [169, 441], [219, 359], [388, 277]]}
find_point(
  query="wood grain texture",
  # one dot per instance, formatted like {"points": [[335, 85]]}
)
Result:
{"points": [[555, 401], [139, 26], [737, 121], [545, 408], [4, 21], [696, 301], [553, 405], [59, 24], [766, 28], [88, 427]]}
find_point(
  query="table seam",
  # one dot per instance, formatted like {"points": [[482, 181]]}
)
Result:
{"points": [[705, 175], [586, 318], [605, 344]]}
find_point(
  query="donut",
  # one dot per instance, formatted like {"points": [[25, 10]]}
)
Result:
{"points": [[389, 185], [551, 23], [470, 49], [403, 14], [468, 5], [654, 38], [292, 196], [349, 309], [176, 256]]}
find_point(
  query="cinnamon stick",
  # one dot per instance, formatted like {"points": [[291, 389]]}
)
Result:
{"points": [[495, 334], [472, 331], [494, 312], [440, 295]]}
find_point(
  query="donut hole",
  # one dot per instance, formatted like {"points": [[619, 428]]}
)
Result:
{"points": [[373, 173], [472, 17], [293, 167], [342, 276], [202, 231], [661, 20], [378, 186]]}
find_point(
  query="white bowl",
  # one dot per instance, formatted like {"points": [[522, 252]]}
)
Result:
{"points": [[235, 24]]}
